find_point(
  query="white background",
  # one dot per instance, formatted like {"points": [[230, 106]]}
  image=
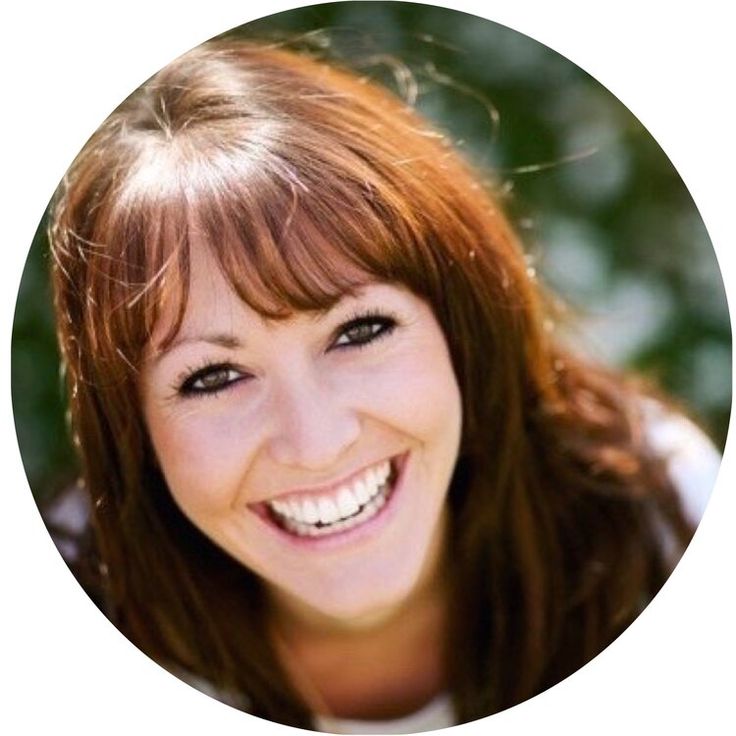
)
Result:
{"points": [[65, 65]]}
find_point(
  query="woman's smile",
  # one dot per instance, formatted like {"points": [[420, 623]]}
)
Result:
{"points": [[325, 511], [318, 449]]}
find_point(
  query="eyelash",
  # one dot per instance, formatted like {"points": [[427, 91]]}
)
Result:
{"points": [[380, 324], [386, 323], [186, 382]]}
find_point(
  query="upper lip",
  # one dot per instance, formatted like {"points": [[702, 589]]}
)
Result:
{"points": [[327, 488]]}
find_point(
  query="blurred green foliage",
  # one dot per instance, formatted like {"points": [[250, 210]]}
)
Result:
{"points": [[607, 222]]}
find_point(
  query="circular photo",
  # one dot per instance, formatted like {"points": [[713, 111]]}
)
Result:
{"points": [[396, 368]]}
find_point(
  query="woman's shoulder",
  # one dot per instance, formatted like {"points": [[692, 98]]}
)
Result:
{"points": [[691, 458]]}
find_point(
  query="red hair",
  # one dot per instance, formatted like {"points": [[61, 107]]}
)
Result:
{"points": [[303, 180]]}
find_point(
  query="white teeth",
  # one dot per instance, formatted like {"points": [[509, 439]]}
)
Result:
{"points": [[361, 492], [328, 512], [347, 503], [371, 484], [351, 505], [382, 472], [295, 511], [310, 512]]}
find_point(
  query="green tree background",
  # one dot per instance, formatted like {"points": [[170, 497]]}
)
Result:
{"points": [[606, 221]]}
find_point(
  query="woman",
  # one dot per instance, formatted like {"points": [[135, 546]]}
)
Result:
{"points": [[340, 470]]}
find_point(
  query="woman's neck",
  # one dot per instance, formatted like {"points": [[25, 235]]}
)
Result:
{"points": [[381, 666], [385, 671]]}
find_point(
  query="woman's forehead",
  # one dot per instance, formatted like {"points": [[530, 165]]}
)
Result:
{"points": [[219, 317], [208, 274], [212, 298]]}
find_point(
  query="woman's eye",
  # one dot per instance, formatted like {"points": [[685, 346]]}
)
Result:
{"points": [[363, 331], [211, 380]]}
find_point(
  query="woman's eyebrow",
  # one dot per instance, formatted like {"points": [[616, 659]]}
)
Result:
{"points": [[220, 339], [231, 342]]}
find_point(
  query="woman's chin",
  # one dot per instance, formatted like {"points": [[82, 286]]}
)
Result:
{"points": [[370, 595], [337, 612]]}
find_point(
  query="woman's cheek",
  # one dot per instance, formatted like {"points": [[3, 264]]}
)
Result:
{"points": [[415, 391], [204, 458]]}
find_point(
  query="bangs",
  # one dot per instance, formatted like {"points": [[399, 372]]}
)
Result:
{"points": [[287, 243], [302, 185]]}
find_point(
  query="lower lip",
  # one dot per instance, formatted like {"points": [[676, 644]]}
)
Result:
{"points": [[356, 534]]}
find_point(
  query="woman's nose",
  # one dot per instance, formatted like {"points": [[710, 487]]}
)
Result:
{"points": [[312, 427]]}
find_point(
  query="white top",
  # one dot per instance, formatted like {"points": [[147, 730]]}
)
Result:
{"points": [[437, 713], [692, 462], [692, 459]]}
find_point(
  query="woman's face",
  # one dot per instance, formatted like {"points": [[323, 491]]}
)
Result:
{"points": [[316, 450]]}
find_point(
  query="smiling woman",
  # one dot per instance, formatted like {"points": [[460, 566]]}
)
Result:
{"points": [[339, 468], [313, 436]]}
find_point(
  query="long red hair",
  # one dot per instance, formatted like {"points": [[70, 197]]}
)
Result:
{"points": [[296, 175]]}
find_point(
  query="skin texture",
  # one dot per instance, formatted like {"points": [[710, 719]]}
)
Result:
{"points": [[302, 407]]}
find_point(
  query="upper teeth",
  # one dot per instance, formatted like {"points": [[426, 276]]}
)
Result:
{"points": [[343, 503]]}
